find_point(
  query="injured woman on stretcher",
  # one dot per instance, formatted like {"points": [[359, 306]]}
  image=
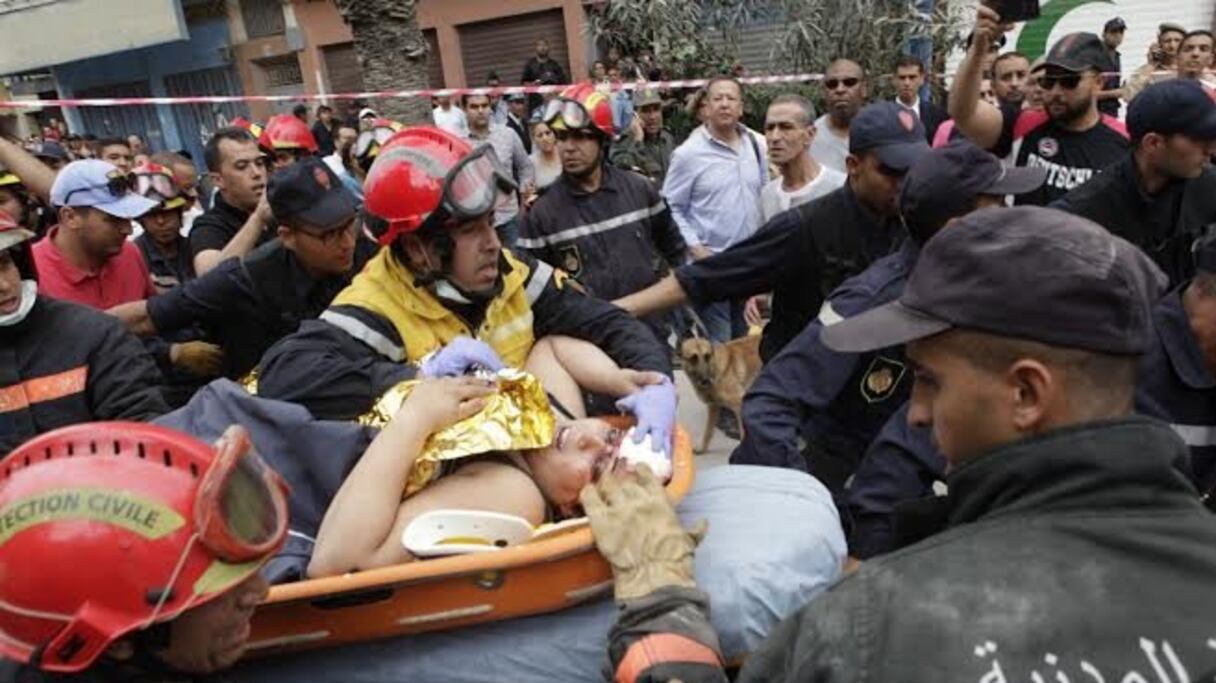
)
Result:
{"points": [[362, 528]]}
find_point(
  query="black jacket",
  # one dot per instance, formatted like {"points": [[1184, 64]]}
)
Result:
{"points": [[1164, 225], [339, 377], [65, 364], [800, 255], [615, 241], [1082, 554], [248, 304], [215, 229]]}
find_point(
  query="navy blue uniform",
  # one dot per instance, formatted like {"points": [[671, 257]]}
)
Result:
{"points": [[1176, 386], [834, 403], [901, 465], [801, 256]]}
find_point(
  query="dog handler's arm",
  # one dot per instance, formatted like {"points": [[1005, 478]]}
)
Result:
{"points": [[663, 295]]}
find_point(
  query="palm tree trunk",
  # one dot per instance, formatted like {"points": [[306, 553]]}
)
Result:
{"points": [[392, 53]]}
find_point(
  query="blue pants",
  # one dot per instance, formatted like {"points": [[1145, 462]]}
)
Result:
{"points": [[723, 320], [508, 233]]}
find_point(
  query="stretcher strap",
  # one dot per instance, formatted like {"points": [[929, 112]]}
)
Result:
{"points": [[662, 648]]}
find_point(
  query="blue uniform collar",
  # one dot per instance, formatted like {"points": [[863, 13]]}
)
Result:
{"points": [[1184, 354]]}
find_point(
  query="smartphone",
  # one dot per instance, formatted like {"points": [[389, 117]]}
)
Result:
{"points": [[1013, 11]]}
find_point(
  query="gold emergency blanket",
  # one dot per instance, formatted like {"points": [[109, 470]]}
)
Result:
{"points": [[516, 417]]}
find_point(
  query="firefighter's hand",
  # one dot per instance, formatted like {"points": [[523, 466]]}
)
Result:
{"points": [[197, 358], [637, 531], [461, 356]]}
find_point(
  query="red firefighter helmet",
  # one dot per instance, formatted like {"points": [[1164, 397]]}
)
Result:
{"points": [[423, 171], [370, 141], [158, 183], [111, 527], [241, 122], [580, 106], [287, 132]]}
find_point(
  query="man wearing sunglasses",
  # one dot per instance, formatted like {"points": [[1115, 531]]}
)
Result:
{"points": [[248, 304], [87, 258], [845, 90], [442, 273], [1162, 194], [1069, 137]]}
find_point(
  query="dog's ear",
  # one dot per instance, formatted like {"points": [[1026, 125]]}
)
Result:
{"points": [[697, 330]]}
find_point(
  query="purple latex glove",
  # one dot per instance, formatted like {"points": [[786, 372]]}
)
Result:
{"points": [[459, 357], [654, 405]]}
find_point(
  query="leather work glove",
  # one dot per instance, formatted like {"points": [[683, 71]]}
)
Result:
{"points": [[636, 530], [654, 405], [459, 357], [197, 358]]}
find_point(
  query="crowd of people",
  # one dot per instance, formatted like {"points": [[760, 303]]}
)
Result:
{"points": [[988, 328]]}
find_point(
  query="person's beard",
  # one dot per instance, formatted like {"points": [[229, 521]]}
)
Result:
{"points": [[1071, 113]]}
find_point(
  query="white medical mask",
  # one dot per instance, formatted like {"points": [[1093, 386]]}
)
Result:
{"points": [[29, 294]]}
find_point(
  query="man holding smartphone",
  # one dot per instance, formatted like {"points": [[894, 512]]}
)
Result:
{"points": [[1069, 137]]}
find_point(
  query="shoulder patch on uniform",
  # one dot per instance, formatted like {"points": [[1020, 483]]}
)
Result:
{"points": [[879, 381], [570, 259]]}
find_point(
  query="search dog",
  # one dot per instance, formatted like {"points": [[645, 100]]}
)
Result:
{"points": [[721, 374]]}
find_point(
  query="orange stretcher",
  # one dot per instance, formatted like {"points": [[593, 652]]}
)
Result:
{"points": [[552, 573]]}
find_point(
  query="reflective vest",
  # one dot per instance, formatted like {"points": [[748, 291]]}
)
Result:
{"points": [[424, 324]]}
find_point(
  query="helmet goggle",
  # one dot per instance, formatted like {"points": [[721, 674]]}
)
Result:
{"points": [[117, 182], [470, 188], [369, 142], [157, 183], [573, 114], [240, 510]]}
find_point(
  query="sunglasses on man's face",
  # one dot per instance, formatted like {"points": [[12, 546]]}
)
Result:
{"points": [[1066, 81], [833, 83]]}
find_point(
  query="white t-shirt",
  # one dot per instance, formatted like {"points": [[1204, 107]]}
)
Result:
{"points": [[452, 120], [774, 199], [829, 149]]}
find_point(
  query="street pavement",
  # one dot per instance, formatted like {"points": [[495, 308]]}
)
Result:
{"points": [[690, 413]]}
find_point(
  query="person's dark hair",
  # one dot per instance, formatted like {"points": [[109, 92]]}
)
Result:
{"points": [[169, 159], [865, 76], [99, 145], [1171, 29], [1004, 56], [1196, 34], [909, 60], [324, 108], [492, 76], [464, 101], [1103, 384], [300, 111], [88, 137], [720, 78], [211, 151], [808, 109]]}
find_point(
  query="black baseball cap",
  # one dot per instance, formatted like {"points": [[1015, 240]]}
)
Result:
{"points": [[1204, 250], [892, 132], [1026, 272], [1178, 105], [944, 183], [1115, 25], [1076, 52], [309, 192]]}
